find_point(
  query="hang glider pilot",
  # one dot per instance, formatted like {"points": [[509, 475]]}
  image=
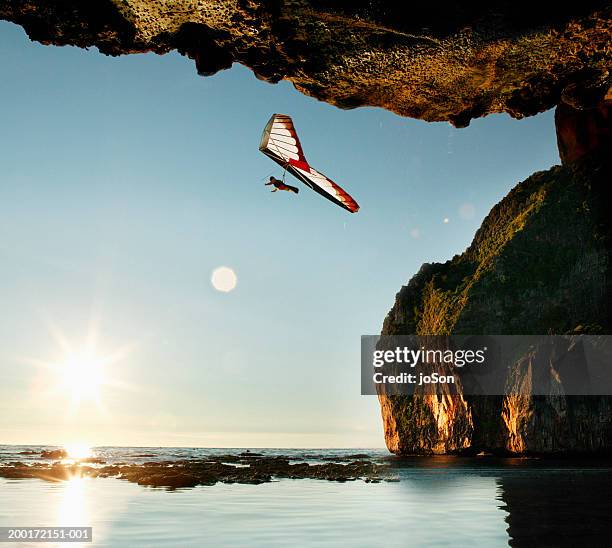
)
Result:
{"points": [[280, 142], [279, 185]]}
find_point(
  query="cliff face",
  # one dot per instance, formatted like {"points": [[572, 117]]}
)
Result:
{"points": [[437, 61], [540, 263]]}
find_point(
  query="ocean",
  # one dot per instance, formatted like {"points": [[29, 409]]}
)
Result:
{"points": [[438, 501]]}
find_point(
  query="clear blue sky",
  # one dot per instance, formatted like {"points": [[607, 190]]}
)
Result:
{"points": [[125, 181]]}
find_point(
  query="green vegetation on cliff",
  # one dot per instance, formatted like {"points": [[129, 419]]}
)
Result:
{"points": [[539, 264]]}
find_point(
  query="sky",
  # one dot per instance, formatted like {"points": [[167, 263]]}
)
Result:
{"points": [[125, 182]]}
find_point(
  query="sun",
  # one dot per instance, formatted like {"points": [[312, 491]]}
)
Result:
{"points": [[81, 372]]}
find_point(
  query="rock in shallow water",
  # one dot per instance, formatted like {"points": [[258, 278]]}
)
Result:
{"points": [[54, 454], [250, 469]]}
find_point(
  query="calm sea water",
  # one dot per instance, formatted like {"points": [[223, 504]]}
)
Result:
{"points": [[439, 501]]}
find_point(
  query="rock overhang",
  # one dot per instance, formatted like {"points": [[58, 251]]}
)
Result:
{"points": [[436, 62]]}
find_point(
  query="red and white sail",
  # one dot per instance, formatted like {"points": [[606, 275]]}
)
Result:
{"points": [[281, 143]]}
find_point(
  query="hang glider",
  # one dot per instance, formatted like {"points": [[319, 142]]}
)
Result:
{"points": [[280, 142]]}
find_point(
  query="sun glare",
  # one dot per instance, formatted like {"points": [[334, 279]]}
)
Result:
{"points": [[77, 451], [82, 375]]}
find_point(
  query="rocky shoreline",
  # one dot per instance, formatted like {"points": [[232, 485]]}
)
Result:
{"points": [[246, 468]]}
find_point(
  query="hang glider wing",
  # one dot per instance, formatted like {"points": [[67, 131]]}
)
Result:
{"points": [[281, 143]]}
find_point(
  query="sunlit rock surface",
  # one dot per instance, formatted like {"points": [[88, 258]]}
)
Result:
{"points": [[431, 60], [540, 263]]}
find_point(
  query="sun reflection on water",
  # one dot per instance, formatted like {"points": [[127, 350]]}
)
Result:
{"points": [[73, 508]]}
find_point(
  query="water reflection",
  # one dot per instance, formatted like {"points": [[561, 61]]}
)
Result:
{"points": [[557, 508], [73, 506], [440, 501], [547, 502]]}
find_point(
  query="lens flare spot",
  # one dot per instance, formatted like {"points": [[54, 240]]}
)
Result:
{"points": [[224, 279]]}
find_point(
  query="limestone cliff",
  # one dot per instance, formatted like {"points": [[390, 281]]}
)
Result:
{"points": [[540, 263], [442, 60]]}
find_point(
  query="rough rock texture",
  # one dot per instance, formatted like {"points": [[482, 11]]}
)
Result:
{"points": [[582, 124], [431, 60], [540, 263], [248, 468]]}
